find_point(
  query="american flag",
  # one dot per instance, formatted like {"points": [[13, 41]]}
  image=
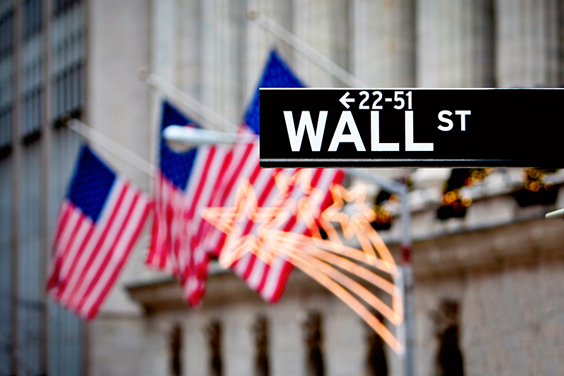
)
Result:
{"points": [[98, 224], [269, 280], [187, 183]]}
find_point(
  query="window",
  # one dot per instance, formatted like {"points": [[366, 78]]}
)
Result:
{"points": [[376, 363], [175, 344], [6, 77], [449, 357], [69, 51], [260, 333], [213, 333], [33, 70], [24, 50], [315, 365]]}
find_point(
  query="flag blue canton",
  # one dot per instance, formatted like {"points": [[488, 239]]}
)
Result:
{"points": [[175, 166], [91, 184], [276, 74]]}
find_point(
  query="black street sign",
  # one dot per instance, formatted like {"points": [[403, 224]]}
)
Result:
{"points": [[411, 127]]}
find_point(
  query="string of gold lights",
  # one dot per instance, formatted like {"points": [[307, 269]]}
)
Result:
{"points": [[352, 302], [320, 260]]}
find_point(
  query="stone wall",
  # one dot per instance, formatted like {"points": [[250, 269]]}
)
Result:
{"points": [[511, 319], [507, 282], [501, 265]]}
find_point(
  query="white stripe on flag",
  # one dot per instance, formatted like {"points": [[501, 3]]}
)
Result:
{"points": [[91, 271], [213, 240], [120, 250], [273, 278], [82, 254], [88, 255], [71, 251], [72, 221]]}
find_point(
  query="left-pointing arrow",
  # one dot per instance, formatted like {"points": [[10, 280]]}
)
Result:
{"points": [[345, 99]]}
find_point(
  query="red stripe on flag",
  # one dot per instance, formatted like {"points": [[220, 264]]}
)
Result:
{"points": [[116, 271], [64, 214], [218, 173], [76, 276], [97, 251], [106, 258], [70, 246], [71, 255], [282, 279]]}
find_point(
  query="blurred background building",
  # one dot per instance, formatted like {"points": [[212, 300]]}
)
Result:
{"points": [[489, 270]]}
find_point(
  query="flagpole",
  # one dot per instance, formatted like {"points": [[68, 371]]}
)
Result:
{"points": [[111, 146], [212, 120], [408, 284], [303, 48]]}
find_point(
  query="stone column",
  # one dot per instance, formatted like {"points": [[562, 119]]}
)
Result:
{"points": [[383, 40], [189, 67], [260, 41], [527, 41], [221, 57], [115, 49], [454, 45], [324, 25]]}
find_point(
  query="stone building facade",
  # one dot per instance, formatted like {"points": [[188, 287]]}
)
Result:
{"points": [[496, 275], [488, 287]]}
